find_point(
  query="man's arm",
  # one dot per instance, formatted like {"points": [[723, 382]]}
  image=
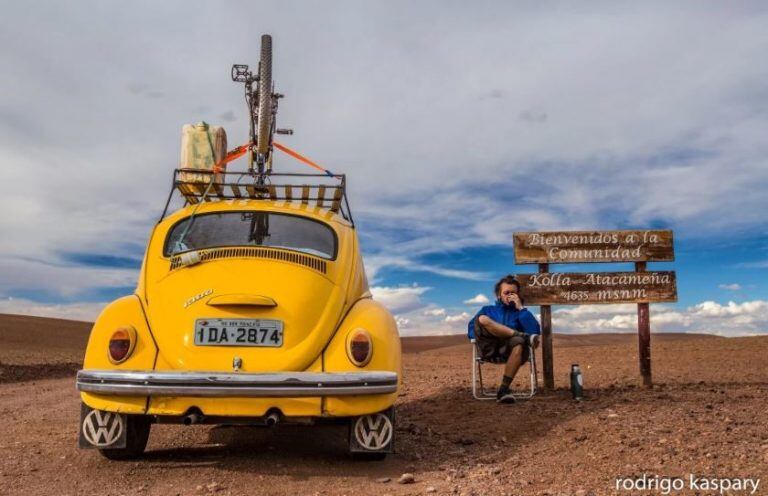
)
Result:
{"points": [[528, 322], [472, 326]]}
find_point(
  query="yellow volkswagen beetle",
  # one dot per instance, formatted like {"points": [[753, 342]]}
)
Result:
{"points": [[252, 307]]}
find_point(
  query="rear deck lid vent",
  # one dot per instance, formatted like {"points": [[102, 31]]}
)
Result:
{"points": [[254, 252]]}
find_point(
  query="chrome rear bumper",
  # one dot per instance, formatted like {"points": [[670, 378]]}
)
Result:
{"points": [[263, 385]]}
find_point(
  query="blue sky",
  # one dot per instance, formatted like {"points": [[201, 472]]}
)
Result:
{"points": [[457, 125]]}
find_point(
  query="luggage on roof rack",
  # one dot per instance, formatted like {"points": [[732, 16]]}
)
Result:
{"points": [[202, 147]]}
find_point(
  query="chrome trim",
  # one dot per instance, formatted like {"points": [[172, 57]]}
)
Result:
{"points": [[263, 385]]}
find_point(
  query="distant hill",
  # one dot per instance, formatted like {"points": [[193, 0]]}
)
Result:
{"points": [[26, 339], [416, 344], [39, 347]]}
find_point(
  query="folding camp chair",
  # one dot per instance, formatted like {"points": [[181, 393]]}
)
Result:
{"points": [[480, 393]]}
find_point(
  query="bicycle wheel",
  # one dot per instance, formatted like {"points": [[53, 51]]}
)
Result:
{"points": [[264, 115]]}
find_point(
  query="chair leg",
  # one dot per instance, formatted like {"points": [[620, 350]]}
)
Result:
{"points": [[474, 373], [534, 372], [478, 390], [484, 395], [477, 379]]}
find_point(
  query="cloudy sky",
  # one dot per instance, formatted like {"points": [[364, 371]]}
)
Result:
{"points": [[457, 123]]}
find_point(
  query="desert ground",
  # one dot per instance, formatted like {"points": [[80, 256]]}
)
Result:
{"points": [[706, 415]]}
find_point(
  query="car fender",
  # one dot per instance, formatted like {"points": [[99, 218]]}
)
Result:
{"points": [[125, 311], [387, 356]]}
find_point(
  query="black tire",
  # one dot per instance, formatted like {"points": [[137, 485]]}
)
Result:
{"points": [[369, 457], [138, 433], [264, 113]]}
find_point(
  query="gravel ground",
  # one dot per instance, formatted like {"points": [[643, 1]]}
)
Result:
{"points": [[705, 416]]}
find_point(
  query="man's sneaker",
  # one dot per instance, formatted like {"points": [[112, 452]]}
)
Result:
{"points": [[506, 398], [503, 391]]}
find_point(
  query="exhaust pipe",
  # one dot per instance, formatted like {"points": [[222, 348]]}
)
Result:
{"points": [[193, 418], [272, 419]]}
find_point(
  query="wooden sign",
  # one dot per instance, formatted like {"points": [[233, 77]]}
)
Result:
{"points": [[576, 288], [641, 287], [593, 246]]}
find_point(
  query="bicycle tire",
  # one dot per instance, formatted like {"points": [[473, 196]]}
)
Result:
{"points": [[264, 114]]}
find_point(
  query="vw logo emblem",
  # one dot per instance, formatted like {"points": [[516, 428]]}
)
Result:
{"points": [[102, 428], [373, 432]]}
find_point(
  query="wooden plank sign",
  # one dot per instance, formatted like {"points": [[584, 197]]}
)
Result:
{"points": [[578, 288], [593, 246]]}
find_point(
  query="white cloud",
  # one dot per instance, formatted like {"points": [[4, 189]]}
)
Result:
{"points": [[590, 184], [400, 299], [596, 309], [714, 309], [462, 317], [433, 322], [402, 322], [98, 187], [479, 299], [86, 312], [65, 281], [374, 263], [468, 275], [709, 317], [730, 287], [434, 312], [731, 319]]}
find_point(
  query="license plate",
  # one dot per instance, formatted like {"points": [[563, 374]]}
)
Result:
{"points": [[238, 332]]}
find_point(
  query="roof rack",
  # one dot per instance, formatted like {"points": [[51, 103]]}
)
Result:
{"points": [[318, 190]]}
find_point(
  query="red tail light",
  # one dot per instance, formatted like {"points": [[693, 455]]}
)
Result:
{"points": [[121, 344], [359, 347]]}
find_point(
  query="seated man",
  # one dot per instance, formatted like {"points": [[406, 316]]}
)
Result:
{"points": [[501, 332]]}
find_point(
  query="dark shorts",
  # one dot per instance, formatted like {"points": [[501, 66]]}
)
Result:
{"points": [[495, 349]]}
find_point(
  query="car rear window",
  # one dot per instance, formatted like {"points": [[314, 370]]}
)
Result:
{"points": [[270, 229]]}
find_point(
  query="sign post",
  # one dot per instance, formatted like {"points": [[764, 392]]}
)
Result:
{"points": [[644, 336], [546, 339], [579, 288]]}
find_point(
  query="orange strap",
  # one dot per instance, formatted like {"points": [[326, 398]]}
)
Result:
{"points": [[241, 150], [299, 157], [232, 155]]}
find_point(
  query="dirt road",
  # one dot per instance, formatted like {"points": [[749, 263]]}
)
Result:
{"points": [[706, 417]]}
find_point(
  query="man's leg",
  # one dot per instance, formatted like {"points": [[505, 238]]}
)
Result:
{"points": [[514, 361], [498, 330]]}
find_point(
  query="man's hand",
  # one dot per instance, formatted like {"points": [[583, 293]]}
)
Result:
{"points": [[515, 300]]}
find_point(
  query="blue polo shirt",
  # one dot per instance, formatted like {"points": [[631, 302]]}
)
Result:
{"points": [[519, 320]]}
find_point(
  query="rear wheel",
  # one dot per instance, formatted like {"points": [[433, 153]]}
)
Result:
{"points": [[137, 431], [264, 114], [369, 457]]}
